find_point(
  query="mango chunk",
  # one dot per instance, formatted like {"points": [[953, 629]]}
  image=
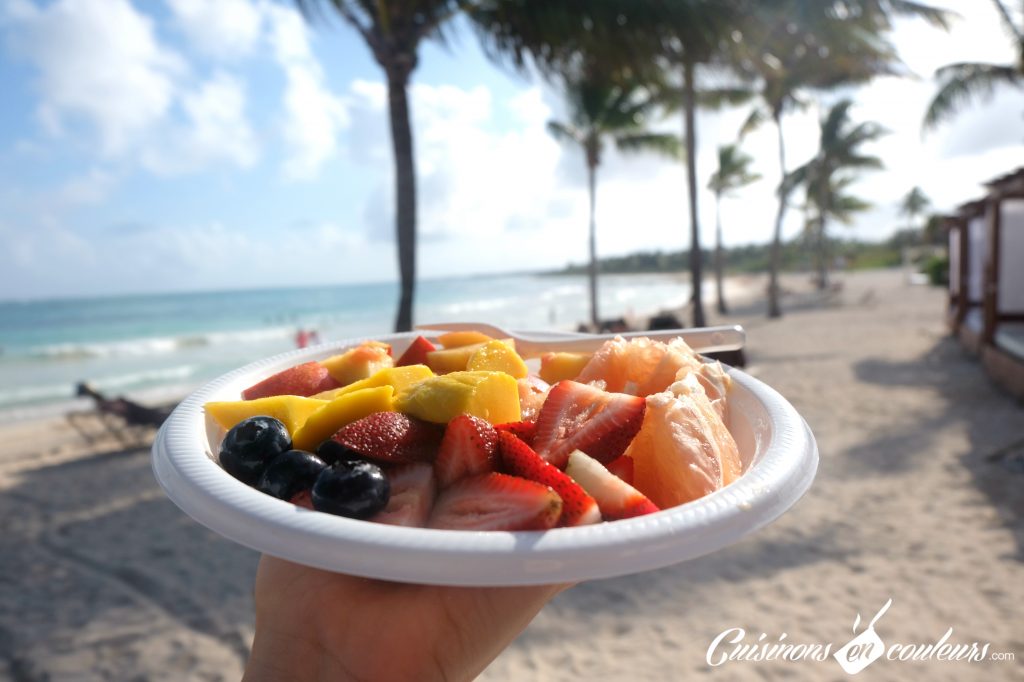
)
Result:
{"points": [[397, 377], [493, 396], [343, 410], [292, 410], [555, 367], [456, 359], [496, 356], [357, 363], [467, 338]]}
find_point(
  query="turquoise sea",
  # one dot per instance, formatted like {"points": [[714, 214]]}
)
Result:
{"points": [[156, 347]]}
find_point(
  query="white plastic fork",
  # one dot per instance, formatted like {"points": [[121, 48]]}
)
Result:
{"points": [[701, 339]]}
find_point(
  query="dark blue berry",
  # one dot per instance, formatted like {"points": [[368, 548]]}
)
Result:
{"points": [[357, 490], [332, 451], [290, 473], [250, 445]]}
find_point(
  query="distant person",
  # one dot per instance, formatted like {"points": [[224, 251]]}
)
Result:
{"points": [[314, 337], [302, 338]]}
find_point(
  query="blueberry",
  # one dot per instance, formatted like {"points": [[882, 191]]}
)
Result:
{"points": [[290, 473], [357, 490], [250, 445], [332, 451]]}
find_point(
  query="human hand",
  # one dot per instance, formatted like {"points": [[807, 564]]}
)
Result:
{"points": [[317, 625]]}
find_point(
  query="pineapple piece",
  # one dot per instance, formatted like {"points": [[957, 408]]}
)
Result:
{"points": [[467, 338], [555, 367], [496, 356], [493, 396], [398, 378], [343, 410], [292, 410], [456, 359]]}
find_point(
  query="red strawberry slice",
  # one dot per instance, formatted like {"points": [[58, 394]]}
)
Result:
{"points": [[413, 489], [622, 467], [578, 416], [578, 508], [496, 502], [616, 498], [524, 431], [305, 380], [416, 353], [391, 437], [466, 449]]}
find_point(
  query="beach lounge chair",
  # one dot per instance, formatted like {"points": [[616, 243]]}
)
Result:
{"points": [[129, 422]]}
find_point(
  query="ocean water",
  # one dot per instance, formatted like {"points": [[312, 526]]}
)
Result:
{"points": [[150, 346]]}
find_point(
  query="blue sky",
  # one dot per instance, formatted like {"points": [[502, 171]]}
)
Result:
{"points": [[186, 144]]}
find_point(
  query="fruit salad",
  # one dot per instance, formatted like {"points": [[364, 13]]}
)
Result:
{"points": [[463, 433]]}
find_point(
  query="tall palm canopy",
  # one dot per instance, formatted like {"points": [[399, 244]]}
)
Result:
{"points": [[603, 109], [789, 47], [393, 31], [914, 204], [963, 82], [826, 176]]}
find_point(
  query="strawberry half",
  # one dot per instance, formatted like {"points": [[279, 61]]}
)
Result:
{"points": [[413, 489], [496, 502], [416, 353], [304, 380], [524, 431], [616, 498], [466, 449], [577, 416], [578, 508], [391, 437]]}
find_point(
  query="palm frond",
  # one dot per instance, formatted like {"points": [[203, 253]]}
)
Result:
{"points": [[665, 144], [564, 132], [757, 117], [960, 83]]}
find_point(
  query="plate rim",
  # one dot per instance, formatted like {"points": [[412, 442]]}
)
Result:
{"points": [[195, 483]]}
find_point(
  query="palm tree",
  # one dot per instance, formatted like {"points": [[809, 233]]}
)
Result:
{"points": [[601, 109], [732, 174], [914, 204], [394, 31], [826, 176], [959, 83], [791, 46]]}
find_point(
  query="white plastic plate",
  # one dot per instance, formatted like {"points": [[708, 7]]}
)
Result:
{"points": [[777, 448]]}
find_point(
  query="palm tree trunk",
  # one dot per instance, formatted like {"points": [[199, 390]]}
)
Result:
{"points": [[822, 242], [592, 270], [719, 256], [775, 260], [690, 133], [405, 191]]}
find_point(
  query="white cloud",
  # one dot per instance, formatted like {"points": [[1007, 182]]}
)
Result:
{"points": [[313, 115], [224, 29], [90, 188], [99, 63]]}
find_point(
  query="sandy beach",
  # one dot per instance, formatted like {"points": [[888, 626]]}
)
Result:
{"points": [[919, 499]]}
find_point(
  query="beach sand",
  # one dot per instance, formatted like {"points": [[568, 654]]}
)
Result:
{"points": [[917, 499]]}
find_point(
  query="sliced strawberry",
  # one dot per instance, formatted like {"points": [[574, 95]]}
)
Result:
{"points": [[303, 380], [577, 416], [578, 508], [616, 498], [413, 489], [466, 449], [522, 430], [391, 437], [416, 353], [303, 498], [622, 467], [496, 502]]}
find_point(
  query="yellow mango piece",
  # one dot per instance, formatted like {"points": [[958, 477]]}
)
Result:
{"points": [[292, 410], [358, 363], [496, 356], [493, 396], [343, 410], [396, 377], [555, 367], [456, 359], [457, 339]]}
